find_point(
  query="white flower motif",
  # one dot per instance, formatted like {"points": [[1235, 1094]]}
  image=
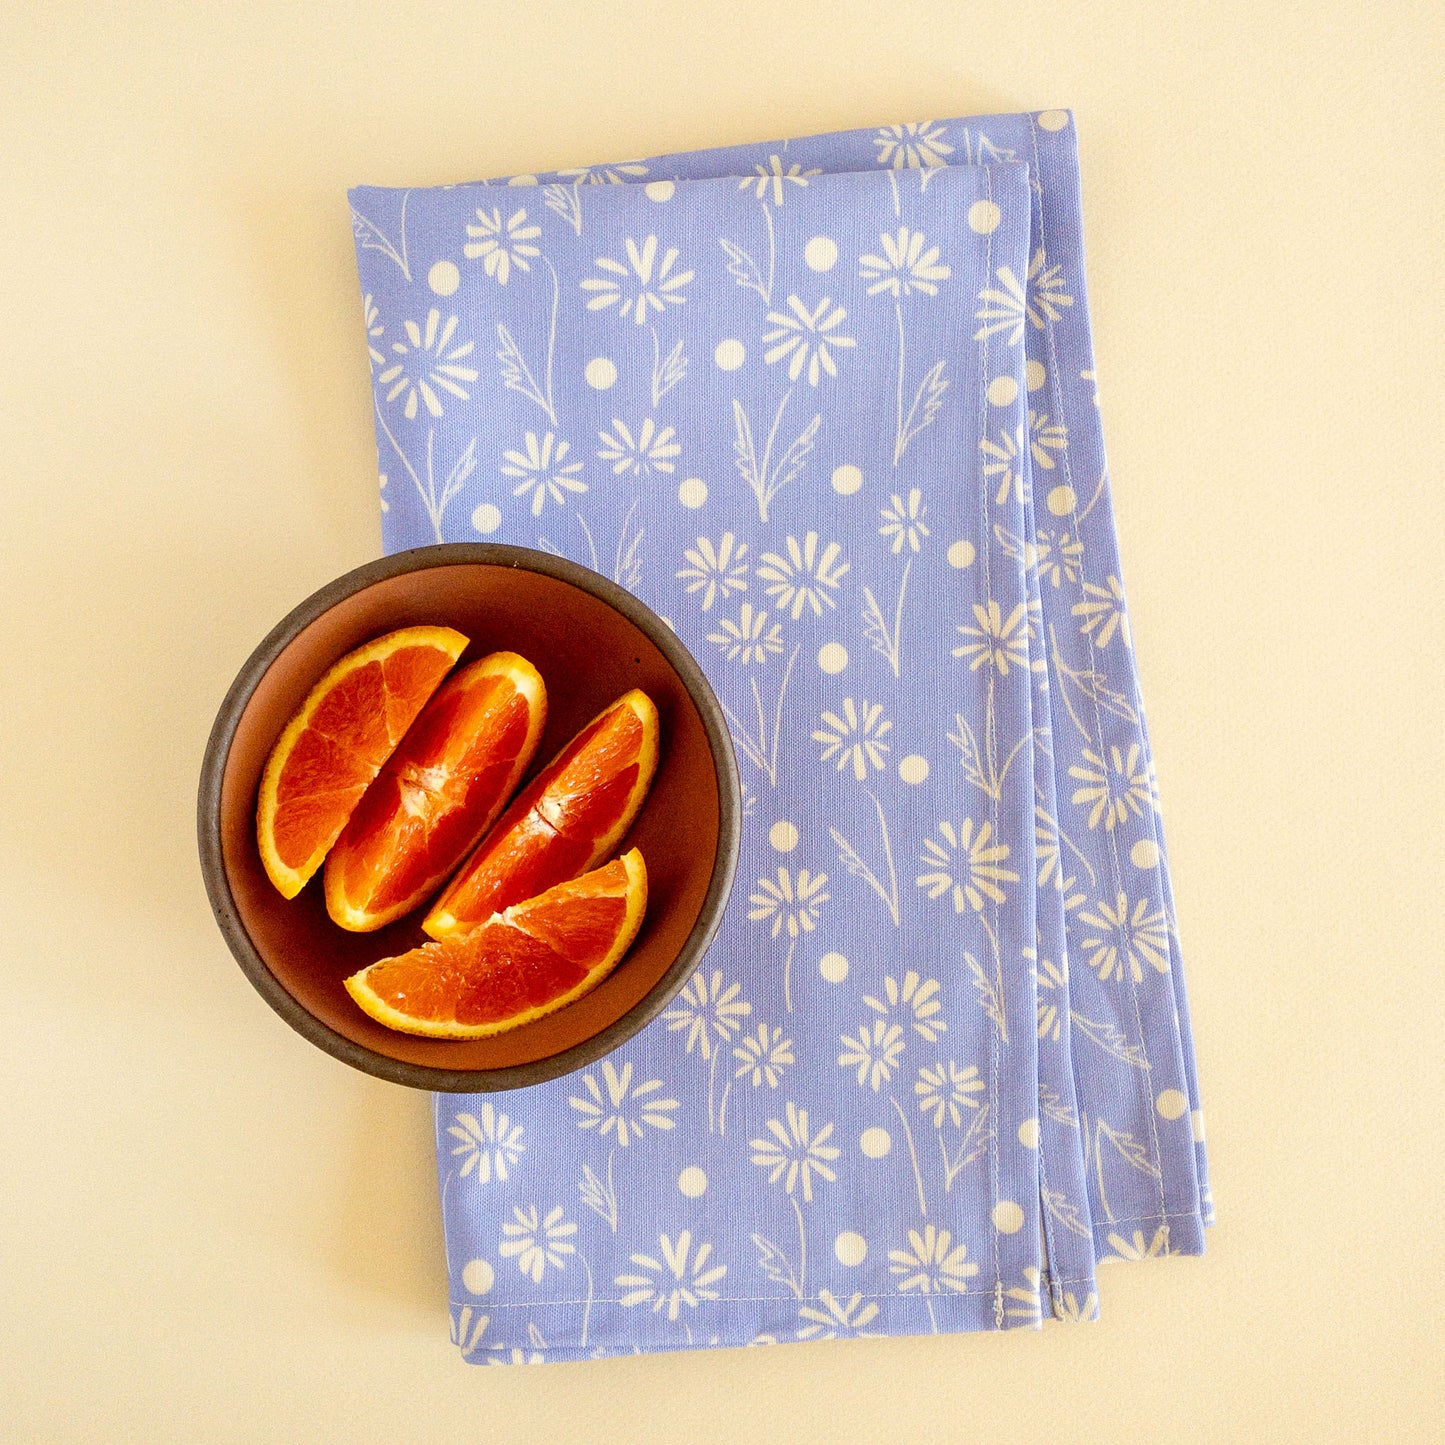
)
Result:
{"points": [[374, 328], [681, 1277], [711, 1011], [427, 361], [795, 1154], [1055, 556], [791, 902], [904, 267], [519, 1354], [1070, 1307], [616, 174], [932, 1263], [1046, 436], [500, 245], [715, 571], [762, 1057], [622, 1111], [1025, 1302], [1054, 979], [806, 577], [468, 1327], [855, 738], [1048, 845], [906, 147], [837, 1319], [1040, 297], [805, 337], [542, 470], [535, 1243], [903, 522], [874, 1053], [1000, 640], [1103, 612], [1137, 1248], [1123, 786], [773, 178], [917, 999], [652, 450], [945, 1090], [750, 638], [1003, 461], [1125, 935], [490, 1143], [642, 286], [976, 871]]}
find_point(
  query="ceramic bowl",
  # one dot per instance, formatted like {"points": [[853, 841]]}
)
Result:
{"points": [[591, 641]]}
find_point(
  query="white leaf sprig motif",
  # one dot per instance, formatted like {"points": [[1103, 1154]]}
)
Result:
{"points": [[616, 1108], [715, 570], [541, 468], [535, 1242], [681, 1277], [794, 1153], [853, 737], [967, 864], [642, 286], [489, 1143], [932, 1262], [769, 180], [807, 338], [427, 362], [499, 245], [905, 267]]}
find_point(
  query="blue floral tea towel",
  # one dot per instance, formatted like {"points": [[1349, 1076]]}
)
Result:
{"points": [[790, 407]]}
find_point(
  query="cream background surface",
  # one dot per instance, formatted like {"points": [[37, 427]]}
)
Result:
{"points": [[211, 1231]]}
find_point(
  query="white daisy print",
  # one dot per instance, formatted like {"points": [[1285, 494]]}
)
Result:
{"points": [[616, 1108], [499, 245], [535, 1242], [617, 174], [946, 1091], [853, 736], [999, 640], [715, 570], [1053, 981], [1040, 297], [683, 1276], [763, 1057], [834, 1319], [1046, 437], [903, 523], [490, 1143], [1103, 612], [916, 999], [874, 1053], [1115, 790], [768, 181], [793, 902], [1126, 937], [805, 577], [807, 338], [645, 284], [710, 1010], [1057, 557], [907, 147], [651, 450], [904, 267], [932, 1262], [1003, 459], [967, 864], [794, 1153], [1137, 1247], [374, 329], [751, 639], [428, 362], [541, 468]]}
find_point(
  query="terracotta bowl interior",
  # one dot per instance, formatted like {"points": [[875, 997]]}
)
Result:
{"points": [[588, 654]]}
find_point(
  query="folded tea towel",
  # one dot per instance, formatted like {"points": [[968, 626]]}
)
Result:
{"points": [[827, 406]]}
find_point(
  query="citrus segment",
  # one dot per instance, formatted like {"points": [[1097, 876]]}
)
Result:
{"points": [[518, 966], [569, 818], [335, 745], [438, 793]]}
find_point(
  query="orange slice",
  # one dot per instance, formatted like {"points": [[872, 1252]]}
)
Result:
{"points": [[335, 745], [567, 820], [518, 966], [438, 793]]}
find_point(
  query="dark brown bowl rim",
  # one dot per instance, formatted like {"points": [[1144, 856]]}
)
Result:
{"points": [[218, 888]]}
